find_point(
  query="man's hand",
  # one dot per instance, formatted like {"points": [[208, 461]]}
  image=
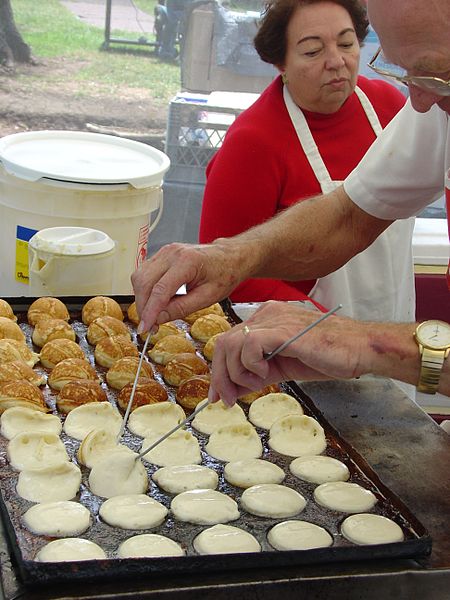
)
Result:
{"points": [[338, 348], [207, 271]]}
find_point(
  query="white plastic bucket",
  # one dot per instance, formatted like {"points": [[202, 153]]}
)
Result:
{"points": [[61, 257], [76, 179]]}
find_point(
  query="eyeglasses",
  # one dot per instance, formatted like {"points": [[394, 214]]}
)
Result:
{"points": [[380, 65]]}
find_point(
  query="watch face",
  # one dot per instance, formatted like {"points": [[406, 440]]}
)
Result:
{"points": [[434, 334]]}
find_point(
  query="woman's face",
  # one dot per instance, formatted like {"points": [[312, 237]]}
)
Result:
{"points": [[322, 57]]}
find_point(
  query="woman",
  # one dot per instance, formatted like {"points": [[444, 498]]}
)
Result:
{"points": [[305, 133]]}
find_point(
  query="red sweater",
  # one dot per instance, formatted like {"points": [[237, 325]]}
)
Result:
{"points": [[261, 168]]}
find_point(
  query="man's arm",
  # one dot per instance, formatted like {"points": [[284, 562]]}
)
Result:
{"points": [[338, 348], [310, 239]]}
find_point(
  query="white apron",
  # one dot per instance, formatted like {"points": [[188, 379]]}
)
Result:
{"points": [[377, 284]]}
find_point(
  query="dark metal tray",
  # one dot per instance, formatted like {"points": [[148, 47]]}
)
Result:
{"points": [[24, 544]]}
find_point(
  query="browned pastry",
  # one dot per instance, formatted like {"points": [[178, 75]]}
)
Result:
{"points": [[214, 309], [192, 391], [100, 306], [106, 326], [110, 349], [47, 307], [21, 393], [148, 391], [9, 330], [183, 366], [205, 327], [6, 310], [132, 314], [14, 350], [78, 392], [49, 329], [208, 348], [252, 396], [164, 330], [124, 371], [170, 345], [55, 351], [69, 370], [18, 370]]}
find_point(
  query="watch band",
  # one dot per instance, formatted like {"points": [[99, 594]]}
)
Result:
{"points": [[430, 370]]}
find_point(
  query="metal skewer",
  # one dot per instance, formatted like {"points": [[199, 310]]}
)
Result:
{"points": [[269, 355], [198, 409], [133, 390]]}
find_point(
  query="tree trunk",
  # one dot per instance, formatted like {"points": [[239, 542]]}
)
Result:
{"points": [[12, 47]]}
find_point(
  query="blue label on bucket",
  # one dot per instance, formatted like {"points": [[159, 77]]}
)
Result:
{"points": [[23, 236]]}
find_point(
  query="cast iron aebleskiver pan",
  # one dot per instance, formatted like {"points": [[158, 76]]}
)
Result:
{"points": [[24, 544]]}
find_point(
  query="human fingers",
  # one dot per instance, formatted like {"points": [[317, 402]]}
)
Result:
{"points": [[239, 365], [230, 374], [157, 281], [229, 379], [144, 279]]}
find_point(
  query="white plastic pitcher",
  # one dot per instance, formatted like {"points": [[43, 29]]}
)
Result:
{"points": [[77, 179], [71, 261]]}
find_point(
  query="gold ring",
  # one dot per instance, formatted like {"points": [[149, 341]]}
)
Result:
{"points": [[245, 330]]}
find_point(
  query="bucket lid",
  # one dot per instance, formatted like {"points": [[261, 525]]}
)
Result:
{"points": [[83, 158], [73, 241]]}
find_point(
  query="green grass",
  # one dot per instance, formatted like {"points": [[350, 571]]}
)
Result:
{"points": [[53, 31]]}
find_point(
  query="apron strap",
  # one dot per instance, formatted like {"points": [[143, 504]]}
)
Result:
{"points": [[369, 110], [308, 144], [306, 139]]}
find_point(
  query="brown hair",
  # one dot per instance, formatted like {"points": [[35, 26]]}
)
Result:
{"points": [[270, 41]]}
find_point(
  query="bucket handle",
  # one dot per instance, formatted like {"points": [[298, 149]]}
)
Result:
{"points": [[158, 216], [41, 271]]}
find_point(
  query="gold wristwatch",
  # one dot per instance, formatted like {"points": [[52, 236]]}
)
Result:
{"points": [[433, 338]]}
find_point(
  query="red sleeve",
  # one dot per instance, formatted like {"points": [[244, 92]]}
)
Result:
{"points": [[243, 185]]}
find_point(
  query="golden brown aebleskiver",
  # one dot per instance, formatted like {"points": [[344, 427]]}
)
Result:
{"points": [[205, 327], [165, 329], [182, 366], [193, 390], [252, 396], [132, 314], [148, 391], [6, 310], [54, 351], [17, 370], [47, 307], [78, 392], [21, 393], [170, 345], [208, 348], [213, 309], [9, 330], [69, 370], [124, 371], [100, 306], [49, 329], [14, 350], [110, 349], [106, 326]]}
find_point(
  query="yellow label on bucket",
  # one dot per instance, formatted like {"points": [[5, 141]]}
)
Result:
{"points": [[23, 235]]}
